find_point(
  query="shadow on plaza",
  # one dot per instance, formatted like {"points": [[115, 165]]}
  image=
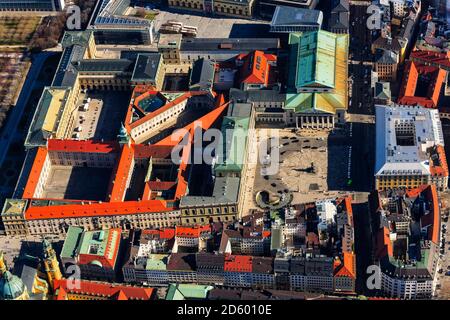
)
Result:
{"points": [[358, 174], [31, 252]]}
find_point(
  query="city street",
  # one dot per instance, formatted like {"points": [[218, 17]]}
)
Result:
{"points": [[360, 60]]}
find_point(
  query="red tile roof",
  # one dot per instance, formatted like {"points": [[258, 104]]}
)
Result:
{"points": [[204, 122], [435, 58], [110, 247], [442, 168], [414, 70], [348, 267], [165, 233], [238, 263], [119, 178], [82, 146], [95, 209], [191, 232], [102, 289], [166, 107], [255, 68], [35, 173], [151, 151]]}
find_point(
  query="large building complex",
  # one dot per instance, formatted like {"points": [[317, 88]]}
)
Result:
{"points": [[288, 19], [32, 5], [409, 148], [317, 85], [226, 157]]}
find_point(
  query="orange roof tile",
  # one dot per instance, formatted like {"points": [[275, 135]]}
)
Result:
{"points": [[255, 68], [95, 209], [164, 233], [119, 178], [35, 173], [105, 260], [167, 106], [82, 146], [238, 263], [91, 288], [413, 71], [204, 122], [442, 169], [191, 232]]}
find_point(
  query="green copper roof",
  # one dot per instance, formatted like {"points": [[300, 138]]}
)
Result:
{"points": [[317, 65], [315, 58], [157, 262], [94, 242], [187, 291], [11, 286], [71, 242], [234, 139]]}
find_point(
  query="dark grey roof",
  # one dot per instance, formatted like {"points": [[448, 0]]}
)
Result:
{"points": [[104, 65], [206, 260], [339, 20], [66, 73], [202, 75], [387, 56], [285, 15], [382, 90], [341, 6], [403, 272], [262, 265], [256, 96], [226, 190], [407, 30], [146, 67], [229, 44], [236, 109]]}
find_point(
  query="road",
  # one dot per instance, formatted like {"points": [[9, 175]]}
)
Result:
{"points": [[360, 66], [363, 156]]}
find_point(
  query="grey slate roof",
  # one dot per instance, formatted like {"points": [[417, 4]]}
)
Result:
{"points": [[242, 110], [202, 75], [146, 66], [256, 95], [285, 16], [229, 44], [226, 190]]}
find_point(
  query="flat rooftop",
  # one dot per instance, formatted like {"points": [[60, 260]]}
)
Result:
{"points": [[290, 16], [404, 134]]}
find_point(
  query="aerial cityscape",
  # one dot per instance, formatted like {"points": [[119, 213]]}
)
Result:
{"points": [[224, 150]]}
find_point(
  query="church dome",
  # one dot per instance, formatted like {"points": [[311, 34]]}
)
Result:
{"points": [[11, 287]]}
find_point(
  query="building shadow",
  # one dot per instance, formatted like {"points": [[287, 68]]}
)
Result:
{"points": [[338, 146], [251, 30], [363, 246]]}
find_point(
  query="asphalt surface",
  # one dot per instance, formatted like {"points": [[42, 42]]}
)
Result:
{"points": [[360, 59]]}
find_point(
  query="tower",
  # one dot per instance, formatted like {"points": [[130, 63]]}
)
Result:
{"points": [[123, 136], [11, 286], [51, 264]]}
